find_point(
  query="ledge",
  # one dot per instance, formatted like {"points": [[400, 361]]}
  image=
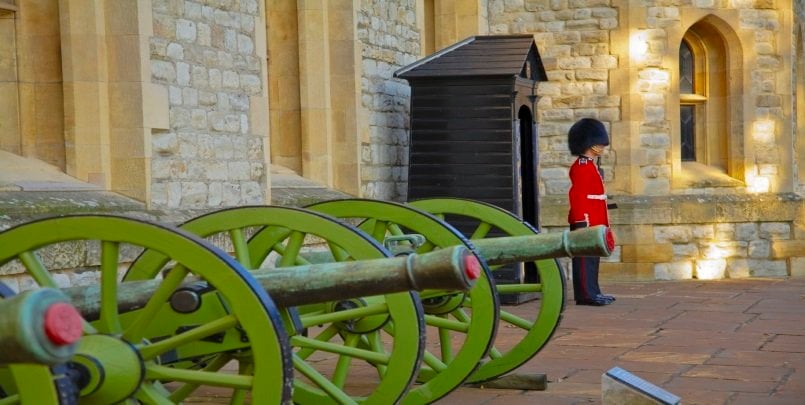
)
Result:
{"points": [[687, 209]]}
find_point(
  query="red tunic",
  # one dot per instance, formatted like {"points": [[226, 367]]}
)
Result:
{"points": [[587, 196]]}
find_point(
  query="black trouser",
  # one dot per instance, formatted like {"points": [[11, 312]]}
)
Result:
{"points": [[585, 275], [585, 278]]}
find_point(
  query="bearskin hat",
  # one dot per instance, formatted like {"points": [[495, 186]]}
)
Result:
{"points": [[586, 133]]}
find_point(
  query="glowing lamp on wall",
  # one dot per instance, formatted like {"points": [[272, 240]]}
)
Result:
{"points": [[758, 184], [638, 46]]}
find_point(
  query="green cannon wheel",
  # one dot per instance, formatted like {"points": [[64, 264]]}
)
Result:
{"points": [[9, 373], [344, 331], [462, 325], [483, 220], [123, 354]]}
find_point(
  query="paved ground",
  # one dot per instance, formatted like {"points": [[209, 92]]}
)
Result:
{"points": [[708, 342]]}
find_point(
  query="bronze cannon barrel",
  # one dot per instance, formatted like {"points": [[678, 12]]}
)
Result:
{"points": [[593, 241], [448, 269], [38, 326]]}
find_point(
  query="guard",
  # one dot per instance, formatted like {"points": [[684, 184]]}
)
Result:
{"points": [[588, 203]]}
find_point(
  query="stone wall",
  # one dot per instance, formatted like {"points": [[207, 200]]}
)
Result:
{"points": [[209, 58], [587, 47], [682, 237], [615, 61], [390, 40]]}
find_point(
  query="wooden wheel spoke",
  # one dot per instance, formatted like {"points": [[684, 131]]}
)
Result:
{"points": [[379, 230], [148, 352], [347, 314], [461, 315], [149, 394], [322, 382], [426, 247], [374, 344], [433, 362], [109, 321], [394, 229], [443, 323], [445, 344], [238, 238], [239, 396], [325, 336], [10, 400], [292, 248], [134, 332], [481, 231], [42, 276], [494, 353], [198, 377], [339, 254], [345, 361], [182, 392], [516, 320], [39, 273], [337, 348], [518, 288]]}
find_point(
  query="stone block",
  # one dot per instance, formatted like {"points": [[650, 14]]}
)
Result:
{"points": [[782, 249], [124, 58], [9, 107], [775, 230], [721, 250], [725, 231], [633, 234], [626, 271], [798, 267], [768, 268], [710, 269], [678, 270], [686, 251], [46, 58], [672, 234], [759, 249], [738, 268], [647, 253]]}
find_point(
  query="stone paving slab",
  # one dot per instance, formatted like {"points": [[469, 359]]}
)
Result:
{"points": [[659, 332], [708, 342]]}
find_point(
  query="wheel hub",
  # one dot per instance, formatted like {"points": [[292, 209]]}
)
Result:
{"points": [[361, 324], [106, 369], [444, 304]]}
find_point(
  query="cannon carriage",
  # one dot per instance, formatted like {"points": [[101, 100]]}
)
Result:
{"points": [[185, 312]]}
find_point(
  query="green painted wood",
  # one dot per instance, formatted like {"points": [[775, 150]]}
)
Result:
{"points": [[534, 333], [247, 304], [446, 369], [279, 231]]}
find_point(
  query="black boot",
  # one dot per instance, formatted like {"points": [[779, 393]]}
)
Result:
{"points": [[597, 301], [606, 297]]}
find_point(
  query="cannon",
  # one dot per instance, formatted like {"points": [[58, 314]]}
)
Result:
{"points": [[386, 331], [280, 231], [199, 308], [38, 326], [471, 318]]}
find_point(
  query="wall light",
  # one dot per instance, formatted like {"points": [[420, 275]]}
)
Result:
{"points": [[638, 46], [757, 184]]}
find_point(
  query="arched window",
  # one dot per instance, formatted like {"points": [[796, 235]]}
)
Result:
{"points": [[705, 128]]}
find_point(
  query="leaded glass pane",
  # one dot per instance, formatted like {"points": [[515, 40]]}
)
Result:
{"points": [[687, 116], [685, 69]]}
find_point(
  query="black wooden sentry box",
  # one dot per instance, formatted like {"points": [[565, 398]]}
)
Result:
{"points": [[473, 126]]}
